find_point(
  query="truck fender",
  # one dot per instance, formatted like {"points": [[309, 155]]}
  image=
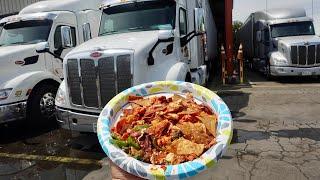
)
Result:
{"points": [[24, 83], [178, 72]]}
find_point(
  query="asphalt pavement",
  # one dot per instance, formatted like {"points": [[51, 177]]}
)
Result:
{"points": [[276, 136]]}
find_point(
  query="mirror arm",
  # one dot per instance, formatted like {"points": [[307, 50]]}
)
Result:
{"points": [[51, 53], [55, 55], [185, 40], [150, 57]]}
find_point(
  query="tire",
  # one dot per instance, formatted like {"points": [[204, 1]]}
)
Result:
{"points": [[40, 105]]}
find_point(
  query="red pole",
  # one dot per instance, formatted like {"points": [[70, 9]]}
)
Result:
{"points": [[229, 35]]}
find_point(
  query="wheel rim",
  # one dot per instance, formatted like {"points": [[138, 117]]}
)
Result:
{"points": [[47, 107]]}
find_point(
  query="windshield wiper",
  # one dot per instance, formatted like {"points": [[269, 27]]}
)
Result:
{"points": [[108, 32], [137, 28]]}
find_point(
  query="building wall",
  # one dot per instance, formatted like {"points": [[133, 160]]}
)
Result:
{"points": [[9, 7]]}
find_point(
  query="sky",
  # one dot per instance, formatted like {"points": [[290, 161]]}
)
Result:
{"points": [[243, 8]]}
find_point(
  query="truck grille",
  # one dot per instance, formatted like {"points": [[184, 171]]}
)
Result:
{"points": [[92, 83], [305, 55]]}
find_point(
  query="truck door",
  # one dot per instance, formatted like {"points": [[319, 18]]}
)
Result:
{"points": [[58, 50], [266, 42], [183, 30]]}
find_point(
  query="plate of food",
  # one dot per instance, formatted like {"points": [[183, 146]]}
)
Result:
{"points": [[165, 130]]}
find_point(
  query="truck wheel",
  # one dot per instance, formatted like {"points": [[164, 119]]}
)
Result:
{"points": [[40, 106]]}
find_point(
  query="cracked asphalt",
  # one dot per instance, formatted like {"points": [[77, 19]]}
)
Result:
{"points": [[276, 136], [277, 130]]}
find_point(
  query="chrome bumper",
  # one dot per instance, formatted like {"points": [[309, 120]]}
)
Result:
{"points": [[13, 112], [294, 71], [76, 121]]}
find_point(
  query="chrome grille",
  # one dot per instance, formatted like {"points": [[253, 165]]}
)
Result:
{"points": [[311, 55], [92, 83], [74, 81], [88, 80], [294, 54], [302, 50], [318, 54], [305, 55], [123, 64], [107, 79]]}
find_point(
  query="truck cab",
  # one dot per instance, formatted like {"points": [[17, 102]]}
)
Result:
{"points": [[32, 45], [283, 43], [139, 42]]}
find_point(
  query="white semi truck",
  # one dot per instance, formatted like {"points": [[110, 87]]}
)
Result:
{"points": [[140, 41], [281, 42], [31, 46]]}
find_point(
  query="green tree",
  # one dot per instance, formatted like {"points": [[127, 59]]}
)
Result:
{"points": [[236, 25]]}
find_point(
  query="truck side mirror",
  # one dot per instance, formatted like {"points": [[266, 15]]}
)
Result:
{"points": [[42, 47], [259, 36], [199, 21], [86, 32], [66, 37]]}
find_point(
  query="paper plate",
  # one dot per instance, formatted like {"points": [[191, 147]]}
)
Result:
{"points": [[148, 171]]}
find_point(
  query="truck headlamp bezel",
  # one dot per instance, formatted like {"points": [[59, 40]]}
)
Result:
{"points": [[5, 93], [60, 98], [280, 61]]}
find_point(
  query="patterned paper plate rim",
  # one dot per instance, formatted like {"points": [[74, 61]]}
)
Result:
{"points": [[148, 171]]}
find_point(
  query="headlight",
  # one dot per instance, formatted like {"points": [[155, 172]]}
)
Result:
{"points": [[280, 62], [4, 93], [60, 97]]}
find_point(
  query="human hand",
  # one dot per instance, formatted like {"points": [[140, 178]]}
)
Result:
{"points": [[119, 174]]}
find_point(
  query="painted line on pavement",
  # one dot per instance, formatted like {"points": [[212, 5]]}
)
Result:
{"points": [[65, 160]]}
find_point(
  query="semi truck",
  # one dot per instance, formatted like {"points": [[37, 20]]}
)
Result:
{"points": [[31, 46], [139, 41], [281, 42]]}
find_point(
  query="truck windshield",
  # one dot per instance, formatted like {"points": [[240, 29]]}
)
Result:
{"points": [[292, 29], [139, 16], [25, 32]]}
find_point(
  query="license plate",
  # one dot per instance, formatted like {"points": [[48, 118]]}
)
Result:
{"points": [[306, 73], [94, 126]]}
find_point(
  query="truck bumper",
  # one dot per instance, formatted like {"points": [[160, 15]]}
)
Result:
{"points": [[76, 121], [294, 71], [13, 112]]}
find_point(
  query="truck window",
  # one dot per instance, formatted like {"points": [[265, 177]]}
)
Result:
{"points": [[57, 37], [25, 32], [292, 29], [138, 16], [183, 22]]}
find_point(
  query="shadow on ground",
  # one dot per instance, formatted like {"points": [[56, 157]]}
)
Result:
{"points": [[19, 131]]}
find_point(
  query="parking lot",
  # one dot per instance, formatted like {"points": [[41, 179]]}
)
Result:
{"points": [[276, 136]]}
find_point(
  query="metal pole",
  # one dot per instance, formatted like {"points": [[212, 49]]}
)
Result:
{"points": [[312, 9], [229, 36], [266, 6]]}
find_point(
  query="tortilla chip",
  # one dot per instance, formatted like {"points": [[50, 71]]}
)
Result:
{"points": [[142, 102], [196, 132], [210, 121], [186, 147]]}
